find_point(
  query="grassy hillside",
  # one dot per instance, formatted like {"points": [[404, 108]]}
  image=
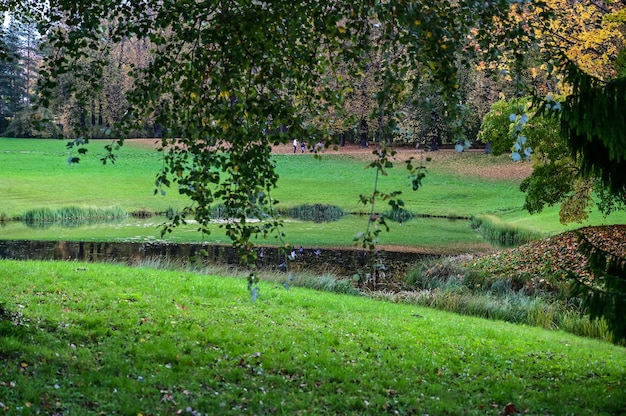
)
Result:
{"points": [[101, 339]]}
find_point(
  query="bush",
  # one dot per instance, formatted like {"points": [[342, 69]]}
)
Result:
{"points": [[399, 215], [24, 124], [435, 273]]}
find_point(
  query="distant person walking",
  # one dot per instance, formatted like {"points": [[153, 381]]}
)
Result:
{"points": [[303, 146], [295, 145]]}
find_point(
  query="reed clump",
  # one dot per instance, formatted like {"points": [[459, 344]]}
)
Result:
{"points": [[449, 286], [400, 215], [501, 233], [69, 215]]}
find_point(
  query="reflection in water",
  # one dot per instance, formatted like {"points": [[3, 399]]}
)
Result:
{"points": [[72, 222]]}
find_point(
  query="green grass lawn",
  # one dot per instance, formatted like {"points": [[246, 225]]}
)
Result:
{"points": [[87, 339], [339, 180], [35, 174]]}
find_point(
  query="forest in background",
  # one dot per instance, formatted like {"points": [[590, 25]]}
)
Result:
{"points": [[493, 98], [592, 33]]}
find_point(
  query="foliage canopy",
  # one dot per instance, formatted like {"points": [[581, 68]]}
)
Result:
{"points": [[226, 80]]}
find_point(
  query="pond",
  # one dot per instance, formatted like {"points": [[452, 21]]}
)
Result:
{"points": [[138, 241], [438, 235]]}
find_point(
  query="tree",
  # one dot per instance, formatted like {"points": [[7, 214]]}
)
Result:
{"points": [[26, 10], [224, 78], [91, 112], [592, 123], [589, 36], [554, 178], [24, 122], [604, 294], [597, 142], [589, 33], [13, 86]]}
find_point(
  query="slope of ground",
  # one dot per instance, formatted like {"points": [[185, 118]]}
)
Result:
{"points": [[556, 255]]}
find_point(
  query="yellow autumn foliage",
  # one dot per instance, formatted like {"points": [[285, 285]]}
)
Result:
{"points": [[589, 32]]}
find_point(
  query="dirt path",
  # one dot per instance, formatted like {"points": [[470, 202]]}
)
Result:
{"points": [[471, 163]]}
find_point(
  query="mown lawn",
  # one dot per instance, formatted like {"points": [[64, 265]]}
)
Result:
{"points": [[35, 174], [80, 338]]}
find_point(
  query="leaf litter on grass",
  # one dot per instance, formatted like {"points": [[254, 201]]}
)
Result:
{"points": [[554, 256]]}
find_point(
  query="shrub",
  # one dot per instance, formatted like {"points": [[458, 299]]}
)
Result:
{"points": [[435, 273], [143, 213], [399, 215]]}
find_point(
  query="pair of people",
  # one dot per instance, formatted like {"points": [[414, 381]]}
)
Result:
{"points": [[295, 146]]}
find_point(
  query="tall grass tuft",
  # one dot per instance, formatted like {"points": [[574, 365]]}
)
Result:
{"points": [[501, 233], [324, 283], [217, 212], [314, 212], [446, 285], [71, 216]]}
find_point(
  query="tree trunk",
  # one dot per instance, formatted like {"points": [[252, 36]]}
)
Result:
{"points": [[363, 137]]}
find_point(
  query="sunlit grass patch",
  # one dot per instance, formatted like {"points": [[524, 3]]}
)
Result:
{"points": [[95, 338]]}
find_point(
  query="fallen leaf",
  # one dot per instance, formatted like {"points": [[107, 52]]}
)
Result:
{"points": [[510, 409], [557, 254]]}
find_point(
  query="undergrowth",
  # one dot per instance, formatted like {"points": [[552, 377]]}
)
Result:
{"points": [[447, 285]]}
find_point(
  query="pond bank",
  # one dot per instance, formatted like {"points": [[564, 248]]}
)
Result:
{"points": [[341, 262]]}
